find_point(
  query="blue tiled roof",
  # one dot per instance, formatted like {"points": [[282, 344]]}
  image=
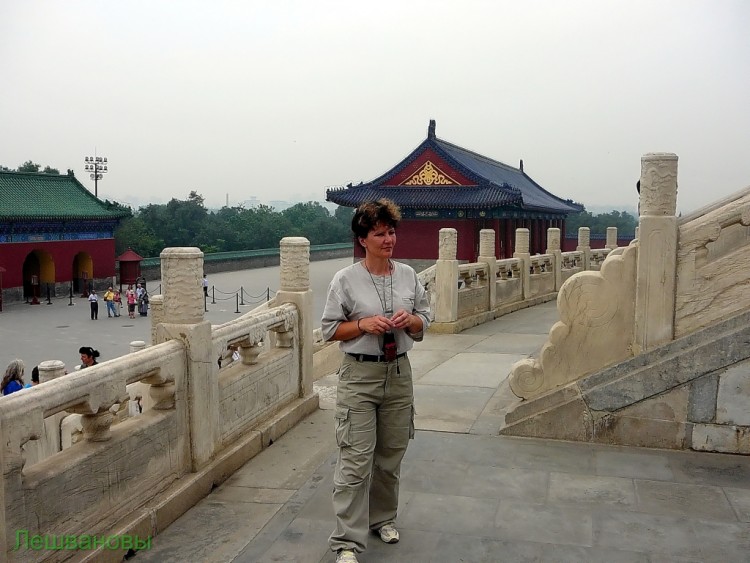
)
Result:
{"points": [[465, 197], [497, 185]]}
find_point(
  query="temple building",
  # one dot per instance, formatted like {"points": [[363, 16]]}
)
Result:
{"points": [[442, 185], [53, 234]]}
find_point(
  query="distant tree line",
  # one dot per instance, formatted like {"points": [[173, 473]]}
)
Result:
{"points": [[624, 221], [30, 166], [154, 227]]}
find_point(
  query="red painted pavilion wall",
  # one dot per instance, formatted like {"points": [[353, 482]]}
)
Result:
{"points": [[418, 239], [102, 252]]}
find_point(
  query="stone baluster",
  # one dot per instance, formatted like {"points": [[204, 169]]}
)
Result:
{"points": [[657, 252], [522, 252], [137, 346], [487, 251], [446, 278], [611, 238], [294, 287], [96, 426], [553, 248], [182, 284], [156, 304], [249, 353], [584, 246]]}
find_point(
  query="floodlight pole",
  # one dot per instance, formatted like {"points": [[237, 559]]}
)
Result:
{"points": [[97, 166]]}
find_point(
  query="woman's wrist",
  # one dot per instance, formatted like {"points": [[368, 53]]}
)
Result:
{"points": [[359, 328]]}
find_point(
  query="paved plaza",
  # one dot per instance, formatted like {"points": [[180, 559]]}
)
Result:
{"points": [[469, 495]]}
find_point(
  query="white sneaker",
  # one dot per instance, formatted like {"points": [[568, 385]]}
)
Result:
{"points": [[346, 556], [389, 533]]}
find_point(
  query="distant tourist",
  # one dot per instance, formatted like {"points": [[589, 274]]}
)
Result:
{"points": [[130, 297], [143, 303], [118, 302], [109, 301], [88, 356], [94, 302], [13, 379], [205, 286], [34, 377]]}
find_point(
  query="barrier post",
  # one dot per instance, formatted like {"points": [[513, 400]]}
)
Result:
{"points": [[237, 299]]}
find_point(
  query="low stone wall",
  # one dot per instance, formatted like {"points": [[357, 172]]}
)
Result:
{"points": [[465, 295], [248, 260]]}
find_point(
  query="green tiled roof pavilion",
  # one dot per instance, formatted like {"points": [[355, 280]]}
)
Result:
{"points": [[28, 196]]}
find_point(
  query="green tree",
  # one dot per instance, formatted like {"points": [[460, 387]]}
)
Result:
{"points": [[49, 170], [29, 166], [624, 221], [134, 233]]}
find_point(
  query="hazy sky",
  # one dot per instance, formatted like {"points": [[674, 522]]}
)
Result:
{"points": [[279, 100]]}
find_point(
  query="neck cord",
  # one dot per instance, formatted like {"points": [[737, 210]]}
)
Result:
{"points": [[384, 301]]}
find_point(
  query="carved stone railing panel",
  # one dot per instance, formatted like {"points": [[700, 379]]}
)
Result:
{"points": [[267, 378], [597, 257], [713, 265], [250, 332], [597, 315]]}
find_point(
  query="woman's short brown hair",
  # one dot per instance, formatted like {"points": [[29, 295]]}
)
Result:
{"points": [[373, 213]]}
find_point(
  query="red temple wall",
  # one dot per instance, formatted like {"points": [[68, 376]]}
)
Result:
{"points": [[419, 239], [102, 252]]}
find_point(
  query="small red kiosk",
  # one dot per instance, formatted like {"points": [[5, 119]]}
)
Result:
{"points": [[130, 267]]}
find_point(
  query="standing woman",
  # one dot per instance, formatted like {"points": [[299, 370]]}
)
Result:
{"points": [[376, 309], [13, 379]]}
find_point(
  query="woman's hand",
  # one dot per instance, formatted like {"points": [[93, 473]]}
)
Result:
{"points": [[377, 324], [402, 319]]}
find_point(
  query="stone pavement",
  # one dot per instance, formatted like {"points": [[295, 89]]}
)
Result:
{"points": [[470, 495]]}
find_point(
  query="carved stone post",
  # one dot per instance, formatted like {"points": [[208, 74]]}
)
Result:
{"points": [[51, 369], [157, 314], [294, 287], [657, 252], [522, 252], [584, 246], [182, 276], [553, 248], [487, 255], [611, 238], [50, 442], [137, 345], [446, 278]]}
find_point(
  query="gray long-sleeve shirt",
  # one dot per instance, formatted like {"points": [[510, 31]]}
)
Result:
{"points": [[354, 294]]}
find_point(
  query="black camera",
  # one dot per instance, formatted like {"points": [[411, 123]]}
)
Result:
{"points": [[390, 350]]}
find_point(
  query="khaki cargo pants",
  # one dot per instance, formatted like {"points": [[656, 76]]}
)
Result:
{"points": [[374, 422]]}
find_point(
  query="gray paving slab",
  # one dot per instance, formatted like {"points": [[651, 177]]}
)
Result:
{"points": [[699, 501], [449, 408], [472, 370], [510, 343], [740, 501], [582, 490]]}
